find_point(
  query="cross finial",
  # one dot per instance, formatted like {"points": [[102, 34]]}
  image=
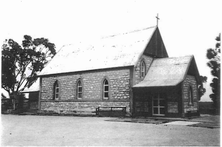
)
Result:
{"points": [[157, 19]]}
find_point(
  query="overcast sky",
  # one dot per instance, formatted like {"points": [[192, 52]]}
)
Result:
{"points": [[187, 26]]}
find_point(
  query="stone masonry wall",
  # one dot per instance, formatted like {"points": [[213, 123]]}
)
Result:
{"points": [[172, 100], [190, 81], [80, 107], [148, 60], [119, 95]]}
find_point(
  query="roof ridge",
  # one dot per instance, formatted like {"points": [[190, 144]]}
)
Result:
{"points": [[174, 57], [125, 33], [112, 53]]}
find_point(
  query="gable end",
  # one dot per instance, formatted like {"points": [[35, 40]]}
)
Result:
{"points": [[156, 47]]}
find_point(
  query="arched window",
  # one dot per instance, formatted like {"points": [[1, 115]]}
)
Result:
{"points": [[79, 89], [56, 91], [142, 69], [190, 96], [105, 89]]}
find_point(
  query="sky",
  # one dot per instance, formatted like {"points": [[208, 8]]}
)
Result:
{"points": [[188, 27]]}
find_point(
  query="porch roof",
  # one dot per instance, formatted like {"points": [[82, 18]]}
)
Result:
{"points": [[166, 72]]}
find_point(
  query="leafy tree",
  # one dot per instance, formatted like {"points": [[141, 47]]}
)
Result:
{"points": [[201, 89], [214, 63], [21, 63]]}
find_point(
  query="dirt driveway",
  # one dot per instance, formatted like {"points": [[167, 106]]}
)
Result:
{"points": [[28, 130]]}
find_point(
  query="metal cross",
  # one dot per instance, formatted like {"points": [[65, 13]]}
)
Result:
{"points": [[157, 19]]}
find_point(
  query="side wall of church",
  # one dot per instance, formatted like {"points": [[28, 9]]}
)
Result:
{"points": [[148, 60], [190, 104], [119, 91]]}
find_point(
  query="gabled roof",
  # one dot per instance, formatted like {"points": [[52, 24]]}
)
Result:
{"points": [[113, 51], [168, 72]]}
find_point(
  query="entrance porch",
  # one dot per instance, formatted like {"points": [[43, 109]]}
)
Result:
{"points": [[161, 102]]}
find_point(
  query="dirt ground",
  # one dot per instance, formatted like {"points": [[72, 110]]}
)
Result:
{"points": [[33, 130]]}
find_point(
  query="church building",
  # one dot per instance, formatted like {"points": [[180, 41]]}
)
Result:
{"points": [[130, 70]]}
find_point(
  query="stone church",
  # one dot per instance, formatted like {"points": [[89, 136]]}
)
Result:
{"points": [[130, 70]]}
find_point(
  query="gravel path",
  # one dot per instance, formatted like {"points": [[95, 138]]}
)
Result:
{"points": [[30, 130]]}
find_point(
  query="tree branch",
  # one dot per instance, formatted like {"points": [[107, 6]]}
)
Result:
{"points": [[22, 78], [19, 83], [23, 81], [25, 85]]}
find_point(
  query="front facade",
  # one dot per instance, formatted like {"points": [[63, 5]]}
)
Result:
{"points": [[169, 89], [179, 101], [69, 85]]}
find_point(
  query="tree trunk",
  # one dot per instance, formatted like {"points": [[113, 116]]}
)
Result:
{"points": [[13, 97], [17, 101]]}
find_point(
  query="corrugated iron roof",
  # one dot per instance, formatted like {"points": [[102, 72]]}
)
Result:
{"points": [[166, 72], [113, 51]]}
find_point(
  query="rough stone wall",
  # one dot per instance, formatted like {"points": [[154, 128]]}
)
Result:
{"points": [[172, 101], [119, 90], [78, 107], [190, 81], [148, 60]]}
